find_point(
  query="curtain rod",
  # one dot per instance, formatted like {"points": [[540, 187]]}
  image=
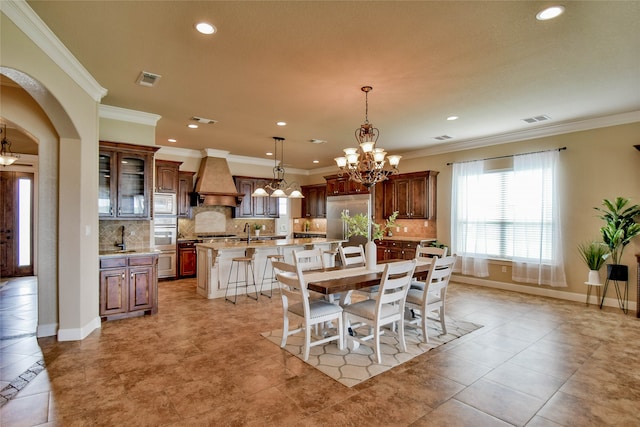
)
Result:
{"points": [[510, 155]]}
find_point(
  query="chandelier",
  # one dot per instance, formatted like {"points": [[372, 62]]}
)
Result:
{"points": [[7, 157], [367, 166], [278, 186]]}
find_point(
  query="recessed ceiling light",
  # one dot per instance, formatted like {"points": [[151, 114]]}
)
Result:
{"points": [[550, 13], [192, 126], [269, 153], [172, 140], [316, 161], [205, 28], [281, 123], [450, 118]]}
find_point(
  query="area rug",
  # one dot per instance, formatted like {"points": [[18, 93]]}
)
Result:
{"points": [[351, 367]]}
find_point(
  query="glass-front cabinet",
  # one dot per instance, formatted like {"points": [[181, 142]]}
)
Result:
{"points": [[125, 181]]}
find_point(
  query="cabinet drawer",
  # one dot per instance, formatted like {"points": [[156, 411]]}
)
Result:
{"points": [[141, 260], [113, 262]]}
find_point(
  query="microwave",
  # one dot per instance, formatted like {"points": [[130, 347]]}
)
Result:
{"points": [[164, 204]]}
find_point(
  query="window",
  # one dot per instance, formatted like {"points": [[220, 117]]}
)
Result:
{"points": [[510, 214], [497, 196]]}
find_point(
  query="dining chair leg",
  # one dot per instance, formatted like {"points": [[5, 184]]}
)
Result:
{"points": [[423, 321], [403, 343]]}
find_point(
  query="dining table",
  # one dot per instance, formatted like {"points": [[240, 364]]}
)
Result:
{"points": [[337, 280]]}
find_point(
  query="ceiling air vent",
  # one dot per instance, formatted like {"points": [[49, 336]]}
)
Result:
{"points": [[204, 121], [148, 79], [536, 119], [443, 137]]}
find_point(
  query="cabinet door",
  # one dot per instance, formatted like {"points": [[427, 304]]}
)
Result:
{"points": [[107, 184], [133, 194], [389, 203], [353, 187], [401, 198], [321, 202], [141, 289], [245, 209], [418, 198], [113, 291], [167, 177], [185, 186], [187, 262]]}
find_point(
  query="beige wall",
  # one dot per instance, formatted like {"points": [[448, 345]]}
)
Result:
{"points": [[74, 115]]}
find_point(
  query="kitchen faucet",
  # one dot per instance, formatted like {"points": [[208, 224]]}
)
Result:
{"points": [[247, 229], [122, 245]]}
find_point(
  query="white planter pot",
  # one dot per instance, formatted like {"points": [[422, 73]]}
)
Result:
{"points": [[370, 255], [257, 233], [594, 277]]}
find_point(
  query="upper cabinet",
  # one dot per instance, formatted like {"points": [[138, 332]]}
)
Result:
{"points": [[185, 188], [413, 195], [167, 176], [341, 185], [125, 181], [314, 204], [254, 207]]}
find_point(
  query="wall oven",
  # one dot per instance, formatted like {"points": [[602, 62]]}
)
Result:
{"points": [[165, 234]]}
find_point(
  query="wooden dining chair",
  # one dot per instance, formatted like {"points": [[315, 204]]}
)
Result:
{"points": [[423, 252], [386, 309], [351, 256], [309, 259], [313, 312], [432, 298]]}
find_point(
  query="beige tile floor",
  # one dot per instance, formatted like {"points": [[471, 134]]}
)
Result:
{"points": [[536, 362]]}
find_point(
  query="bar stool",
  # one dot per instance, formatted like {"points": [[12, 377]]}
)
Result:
{"points": [[247, 262], [272, 278]]}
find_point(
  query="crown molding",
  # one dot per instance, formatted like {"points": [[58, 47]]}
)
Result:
{"points": [[523, 135], [180, 152], [124, 114], [21, 14]]}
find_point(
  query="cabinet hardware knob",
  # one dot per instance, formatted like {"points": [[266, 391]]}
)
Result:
{"points": [[123, 275], [131, 276]]}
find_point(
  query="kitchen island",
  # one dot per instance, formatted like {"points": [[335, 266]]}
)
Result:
{"points": [[214, 259]]}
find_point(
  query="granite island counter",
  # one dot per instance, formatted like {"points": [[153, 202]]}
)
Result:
{"points": [[214, 259]]}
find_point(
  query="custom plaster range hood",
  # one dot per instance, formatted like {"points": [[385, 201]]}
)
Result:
{"points": [[214, 183]]}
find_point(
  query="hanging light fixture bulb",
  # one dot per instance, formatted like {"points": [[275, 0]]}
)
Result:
{"points": [[7, 157], [367, 166], [278, 186]]}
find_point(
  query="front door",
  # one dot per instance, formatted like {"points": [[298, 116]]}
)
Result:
{"points": [[16, 224]]}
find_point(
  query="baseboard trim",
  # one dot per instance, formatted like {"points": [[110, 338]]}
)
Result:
{"points": [[540, 291], [49, 330], [77, 334]]}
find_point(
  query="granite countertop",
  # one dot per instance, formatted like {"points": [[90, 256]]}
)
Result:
{"points": [[408, 238], [257, 244], [319, 233], [128, 252]]}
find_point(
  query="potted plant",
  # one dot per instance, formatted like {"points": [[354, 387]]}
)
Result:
{"points": [[358, 225], [620, 227], [257, 228], [593, 254]]}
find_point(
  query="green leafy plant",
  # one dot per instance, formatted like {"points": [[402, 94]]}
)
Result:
{"points": [[358, 225], [620, 226], [257, 227], [593, 254], [437, 244]]}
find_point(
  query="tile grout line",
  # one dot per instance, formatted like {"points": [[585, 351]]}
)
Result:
{"points": [[11, 390]]}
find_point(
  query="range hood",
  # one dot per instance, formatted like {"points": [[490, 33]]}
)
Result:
{"points": [[214, 183]]}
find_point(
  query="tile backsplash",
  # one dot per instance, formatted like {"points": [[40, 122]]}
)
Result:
{"points": [[137, 234]]}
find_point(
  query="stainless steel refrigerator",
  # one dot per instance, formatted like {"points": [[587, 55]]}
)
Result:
{"points": [[353, 205]]}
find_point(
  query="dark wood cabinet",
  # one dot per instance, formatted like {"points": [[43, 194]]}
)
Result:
{"points": [[167, 176], [342, 185], [254, 207], [125, 180], [413, 195], [128, 285], [185, 188], [396, 249], [187, 260], [314, 204]]}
